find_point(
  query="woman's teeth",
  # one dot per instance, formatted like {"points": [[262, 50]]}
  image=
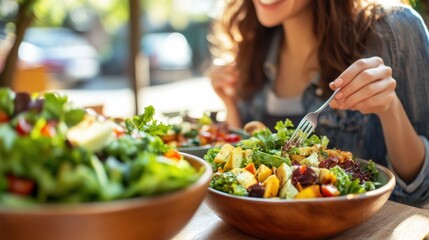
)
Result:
{"points": [[268, 2]]}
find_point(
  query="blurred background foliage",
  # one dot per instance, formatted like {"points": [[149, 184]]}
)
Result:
{"points": [[105, 24], [113, 13]]}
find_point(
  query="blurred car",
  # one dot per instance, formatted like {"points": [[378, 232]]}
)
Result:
{"points": [[167, 51], [169, 54], [65, 54]]}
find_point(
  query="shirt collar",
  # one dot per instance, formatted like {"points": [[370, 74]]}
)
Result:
{"points": [[271, 62]]}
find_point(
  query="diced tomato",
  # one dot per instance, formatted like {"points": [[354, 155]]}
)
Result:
{"points": [[19, 185], [303, 169], [3, 117], [232, 137], [49, 129], [329, 190], [220, 136], [173, 154], [23, 127]]}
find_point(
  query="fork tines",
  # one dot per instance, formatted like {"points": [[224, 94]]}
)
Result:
{"points": [[304, 129]]}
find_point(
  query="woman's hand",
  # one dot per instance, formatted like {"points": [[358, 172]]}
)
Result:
{"points": [[224, 80], [366, 86]]}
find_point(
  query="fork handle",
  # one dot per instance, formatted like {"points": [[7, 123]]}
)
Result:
{"points": [[328, 101]]}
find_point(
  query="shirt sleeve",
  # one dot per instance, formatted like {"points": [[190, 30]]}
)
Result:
{"points": [[415, 192], [406, 48]]}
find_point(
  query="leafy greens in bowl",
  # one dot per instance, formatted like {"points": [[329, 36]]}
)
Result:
{"points": [[66, 173], [51, 152], [266, 165], [270, 189]]}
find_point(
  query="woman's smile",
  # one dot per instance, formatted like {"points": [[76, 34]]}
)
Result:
{"points": [[270, 2], [275, 12]]}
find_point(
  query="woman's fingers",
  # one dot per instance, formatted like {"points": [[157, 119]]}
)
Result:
{"points": [[372, 104], [357, 67], [376, 104], [226, 73], [353, 71], [223, 80], [363, 79], [373, 98], [367, 84]]}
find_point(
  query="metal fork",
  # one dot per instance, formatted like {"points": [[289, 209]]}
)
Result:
{"points": [[308, 123]]}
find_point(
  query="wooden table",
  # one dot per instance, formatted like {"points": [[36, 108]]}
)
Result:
{"points": [[394, 221]]}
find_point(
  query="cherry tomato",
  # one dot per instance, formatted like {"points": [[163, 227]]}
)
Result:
{"points": [[329, 190], [3, 117], [232, 137], [20, 186], [23, 127]]}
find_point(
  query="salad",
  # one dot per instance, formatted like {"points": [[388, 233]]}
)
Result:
{"points": [[267, 166], [53, 152], [196, 132]]}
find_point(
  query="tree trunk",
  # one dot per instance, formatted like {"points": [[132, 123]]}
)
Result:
{"points": [[134, 28], [23, 20]]}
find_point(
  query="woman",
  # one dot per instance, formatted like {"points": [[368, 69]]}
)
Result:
{"points": [[284, 58]]}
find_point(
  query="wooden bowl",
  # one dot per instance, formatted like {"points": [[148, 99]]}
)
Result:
{"points": [[140, 218], [315, 218]]}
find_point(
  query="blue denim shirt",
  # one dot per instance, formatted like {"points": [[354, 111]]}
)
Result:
{"points": [[405, 48]]}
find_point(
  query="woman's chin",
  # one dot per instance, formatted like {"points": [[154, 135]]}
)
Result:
{"points": [[269, 22]]}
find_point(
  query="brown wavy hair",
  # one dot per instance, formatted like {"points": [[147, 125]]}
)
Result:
{"points": [[341, 26]]}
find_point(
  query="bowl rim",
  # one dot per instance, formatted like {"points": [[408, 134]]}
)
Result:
{"points": [[98, 207], [195, 148], [388, 187]]}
